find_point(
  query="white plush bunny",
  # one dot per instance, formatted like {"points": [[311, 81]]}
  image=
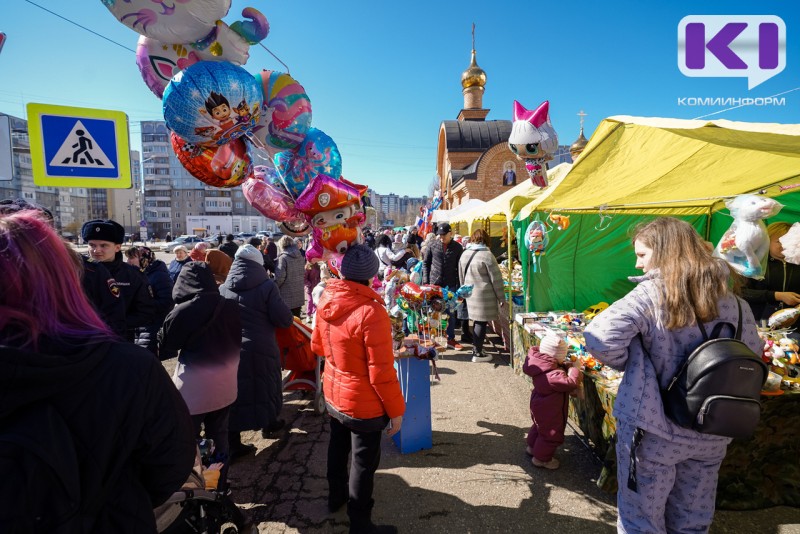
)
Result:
{"points": [[746, 243]]}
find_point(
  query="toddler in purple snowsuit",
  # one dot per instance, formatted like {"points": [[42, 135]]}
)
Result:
{"points": [[552, 385]]}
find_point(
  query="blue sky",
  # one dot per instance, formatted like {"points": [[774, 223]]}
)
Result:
{"points": [[383, 75]]}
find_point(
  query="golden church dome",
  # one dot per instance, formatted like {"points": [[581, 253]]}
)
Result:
{"points": [[579, 144], [474, 75]]}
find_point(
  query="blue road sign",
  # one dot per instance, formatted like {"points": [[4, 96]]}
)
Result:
{"points": [[79, 147]]}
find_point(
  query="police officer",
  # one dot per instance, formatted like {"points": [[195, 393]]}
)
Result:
{"points": [[105, 239]]}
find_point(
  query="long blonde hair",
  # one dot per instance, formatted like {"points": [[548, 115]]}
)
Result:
{"points": [[693, 280]]}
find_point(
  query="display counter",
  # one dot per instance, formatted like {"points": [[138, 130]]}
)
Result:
{"points": [[759, 472]]}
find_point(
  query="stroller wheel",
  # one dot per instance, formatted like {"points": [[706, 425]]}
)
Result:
{"points": [[319, 402]]}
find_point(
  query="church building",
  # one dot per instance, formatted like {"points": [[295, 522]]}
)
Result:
{"points": [[473, 159]]}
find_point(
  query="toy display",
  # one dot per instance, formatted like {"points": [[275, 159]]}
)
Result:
{"points": [[791, 244], [746, 243], [533, 140]]}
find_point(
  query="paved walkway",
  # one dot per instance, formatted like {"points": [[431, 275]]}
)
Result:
{"points": [[476, 478]]}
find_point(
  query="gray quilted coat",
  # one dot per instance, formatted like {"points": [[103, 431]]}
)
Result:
{"points": [[290, 276], [478, 268]]}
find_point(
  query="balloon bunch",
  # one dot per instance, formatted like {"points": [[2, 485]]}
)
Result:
{"points": [[231, 128], [424, 221]]}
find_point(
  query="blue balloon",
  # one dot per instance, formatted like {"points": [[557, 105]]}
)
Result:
{"points": [[317, 154], [212, 103]]}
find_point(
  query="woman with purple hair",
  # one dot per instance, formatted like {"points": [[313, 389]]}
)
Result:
{"points": [[93, 434]]}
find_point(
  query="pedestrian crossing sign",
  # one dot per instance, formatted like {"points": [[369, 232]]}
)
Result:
{"points": [[79, 147]]}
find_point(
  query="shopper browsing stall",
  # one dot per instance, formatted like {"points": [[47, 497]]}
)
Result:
{"points": [[648, 333], [552, 385]]}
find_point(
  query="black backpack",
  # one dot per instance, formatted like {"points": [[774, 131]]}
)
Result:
{"points": [[718, 388]]}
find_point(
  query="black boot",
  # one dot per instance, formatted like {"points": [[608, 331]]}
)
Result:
{"points": [[337, 496], [361, 520], [237, 448]]}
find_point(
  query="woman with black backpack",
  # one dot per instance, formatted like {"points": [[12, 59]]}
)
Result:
{"points": [[667, 473]]}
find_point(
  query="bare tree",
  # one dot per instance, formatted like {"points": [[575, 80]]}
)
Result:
{"points": [[433, 186]]}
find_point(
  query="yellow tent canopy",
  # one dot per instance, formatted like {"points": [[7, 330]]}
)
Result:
{"points": [[676, 167], [503, 208]]}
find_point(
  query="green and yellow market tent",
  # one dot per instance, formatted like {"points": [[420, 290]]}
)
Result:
{"points": [[636, 168]]}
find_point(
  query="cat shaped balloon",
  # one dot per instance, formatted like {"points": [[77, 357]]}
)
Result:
{"points": [[746, 243], [533, 140]]}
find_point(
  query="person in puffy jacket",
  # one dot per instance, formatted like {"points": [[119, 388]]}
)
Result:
{"points": [[289, 274], [260, 399], [549, 398], [362, 392], [94, 434], [649, 333], [207, 330]]}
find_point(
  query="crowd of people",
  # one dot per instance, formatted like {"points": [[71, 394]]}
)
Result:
{"points": [[83, 360]]}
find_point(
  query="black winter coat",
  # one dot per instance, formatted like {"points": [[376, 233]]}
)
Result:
{"points": [[120, 438], [161, 285], [440, 267], [760, 294], [207, 330], [139, 306], [262, 308], [101, 288]]}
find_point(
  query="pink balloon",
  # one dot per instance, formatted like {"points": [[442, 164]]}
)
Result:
{"points": [[268, 199]]}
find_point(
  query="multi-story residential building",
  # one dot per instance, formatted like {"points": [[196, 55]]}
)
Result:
{"points": [[401, 210]]}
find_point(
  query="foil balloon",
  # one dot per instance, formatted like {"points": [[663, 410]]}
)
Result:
{"points": [[317, 154], [212, 103], [272, 202], [533, 140], [334, 210], [295, 228], [334, 263], [159, 62], [169, 21], [536, 241], [224, 166], [285, 113]]}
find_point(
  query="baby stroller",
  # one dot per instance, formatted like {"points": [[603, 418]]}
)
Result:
{"points": [[196, 510], [303, 366]]}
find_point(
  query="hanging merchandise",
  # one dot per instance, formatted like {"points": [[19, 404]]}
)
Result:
{"points": [[746, 243], [333, 208], [159, 61], [286, 112], [536, 241], [211, 103], [533, 140], [561, 221], [218, 166]]}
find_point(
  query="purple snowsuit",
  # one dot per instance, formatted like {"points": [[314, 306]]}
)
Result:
{"points": [[675, 468], [551, 388]]}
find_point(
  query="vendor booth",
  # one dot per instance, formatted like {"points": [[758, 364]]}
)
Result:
{"points": [[634, 169]]}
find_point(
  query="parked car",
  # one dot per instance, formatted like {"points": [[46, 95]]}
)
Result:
{"points": [[242, 237], [187, 241]]}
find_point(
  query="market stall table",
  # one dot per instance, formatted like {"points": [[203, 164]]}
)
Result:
{"points": [[759, 472]]}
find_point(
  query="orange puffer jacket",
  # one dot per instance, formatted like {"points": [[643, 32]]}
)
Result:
{"points": [[354, 335]]}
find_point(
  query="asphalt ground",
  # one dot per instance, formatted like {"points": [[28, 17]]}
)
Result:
{"points": [[476, 478]]}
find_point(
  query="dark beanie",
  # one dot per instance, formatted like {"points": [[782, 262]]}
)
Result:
{"points": [[103, 230], [359, 263]]}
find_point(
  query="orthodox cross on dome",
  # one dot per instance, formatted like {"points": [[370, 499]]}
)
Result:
{"points": [[581, 114], [473, 36]]}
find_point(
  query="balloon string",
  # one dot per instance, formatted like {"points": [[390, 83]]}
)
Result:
{"points": [[276, 57]]}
